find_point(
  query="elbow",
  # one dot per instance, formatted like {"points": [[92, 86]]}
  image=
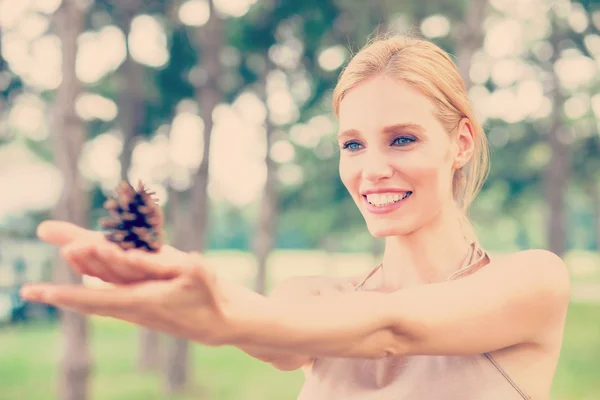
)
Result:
{"points": [[400, 347], [286, 367], [290, 363], [391, 343], [404, 341]]}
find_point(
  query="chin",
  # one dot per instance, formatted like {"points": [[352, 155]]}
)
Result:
{"points": [[382, 229]]}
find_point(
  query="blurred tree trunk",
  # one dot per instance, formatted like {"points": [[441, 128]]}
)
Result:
{"points": [[557, 172], [5, 83], [470, 35], [131, 120], [3, 77], [131, 97], [184, 232], [594, 192], [69, 135], [266, 228], [191, 207], [379, 16]]}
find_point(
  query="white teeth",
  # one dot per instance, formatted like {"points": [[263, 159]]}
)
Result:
{"points": [[383, 199]]}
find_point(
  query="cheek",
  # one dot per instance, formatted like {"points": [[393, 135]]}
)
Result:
{"points": [[428, 174], [348, 172]]}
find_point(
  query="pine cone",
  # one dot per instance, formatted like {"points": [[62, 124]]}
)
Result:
{"points": [[136, 219]]}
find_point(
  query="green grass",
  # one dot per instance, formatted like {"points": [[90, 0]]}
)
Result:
{"points": [[29, 355], [578, 373]]}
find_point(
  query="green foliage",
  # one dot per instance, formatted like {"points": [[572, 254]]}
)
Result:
{"points": [[320, 208]]}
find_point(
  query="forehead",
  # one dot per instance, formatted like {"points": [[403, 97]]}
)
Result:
{"points": [[382, 101]]}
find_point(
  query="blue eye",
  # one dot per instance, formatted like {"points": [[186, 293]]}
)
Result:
{"points": [[403, 140], [352, 146]]}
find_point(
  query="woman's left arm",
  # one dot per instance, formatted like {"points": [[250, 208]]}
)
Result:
{"points": [[510, 301]]}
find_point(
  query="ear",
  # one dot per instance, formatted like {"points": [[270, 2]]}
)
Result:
{"points": [[465, 143]]}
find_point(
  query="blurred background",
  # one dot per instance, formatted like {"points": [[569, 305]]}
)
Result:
{"points": [[222, 107]]}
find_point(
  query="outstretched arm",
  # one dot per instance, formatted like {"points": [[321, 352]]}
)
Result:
{"points": [[511, 301], [295, 289], [89, 253]]}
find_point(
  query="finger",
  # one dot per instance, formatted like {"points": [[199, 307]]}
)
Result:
{"points": [[112, 258], [69, 253], [60, 232], [72, 253], [199, 269], [102, 301], [155, 266], [89, 254], [79, 255]]}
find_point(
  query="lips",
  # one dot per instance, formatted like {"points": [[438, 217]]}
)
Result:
{"points": [[386, 202], [382, 199]]}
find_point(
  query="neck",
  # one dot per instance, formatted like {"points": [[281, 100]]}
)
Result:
{"points": [[429, 254]]}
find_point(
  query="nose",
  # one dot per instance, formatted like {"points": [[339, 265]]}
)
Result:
{"points": [[376, 167]]}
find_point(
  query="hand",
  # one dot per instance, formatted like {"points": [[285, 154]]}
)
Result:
{"points": [[171, 291], [83, 248]]}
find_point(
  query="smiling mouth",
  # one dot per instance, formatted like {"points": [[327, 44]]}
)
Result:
{"points": [[385, 199]]}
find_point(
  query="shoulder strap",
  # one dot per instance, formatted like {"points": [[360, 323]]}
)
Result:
{"points": [[473, 261], [360, 285]]}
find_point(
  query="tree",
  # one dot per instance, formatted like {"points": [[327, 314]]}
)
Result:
{"points": [[10, 84], [266, 227], [131, 121], [68, 135], [190, 208], [470, 35], [557, 172]]}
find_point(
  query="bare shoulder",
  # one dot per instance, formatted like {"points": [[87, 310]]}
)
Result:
{"points": [[542, 269], [535, 277]]}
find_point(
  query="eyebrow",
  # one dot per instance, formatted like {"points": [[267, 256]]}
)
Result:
{"points": [[387, 129]]}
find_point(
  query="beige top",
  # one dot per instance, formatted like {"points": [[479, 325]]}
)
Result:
{"points": [[476, 377]]}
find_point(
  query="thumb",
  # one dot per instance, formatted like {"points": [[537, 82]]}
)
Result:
{"points": [[60, 233], [199, 268]]}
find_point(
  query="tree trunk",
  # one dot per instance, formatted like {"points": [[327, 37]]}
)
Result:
{"points": [[176, 357], [149, 351], [557, 172], [3, 67], [68, 134], [191, 209], [470, 37], [379, 16], [266, 228], [593, 190], [5, 82], [131, 119], [131, 109]]}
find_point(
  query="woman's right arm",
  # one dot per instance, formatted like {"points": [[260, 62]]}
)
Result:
{"points": [[292, 288]]}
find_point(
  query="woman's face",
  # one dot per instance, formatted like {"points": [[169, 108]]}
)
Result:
{"points": [[397, 160]]}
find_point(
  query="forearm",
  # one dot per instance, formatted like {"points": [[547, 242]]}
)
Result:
{"points": [[349, 325], [279, 358]]}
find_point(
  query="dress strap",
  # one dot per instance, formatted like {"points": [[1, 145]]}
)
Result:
{"points": [[472, 262], [377, 268]]}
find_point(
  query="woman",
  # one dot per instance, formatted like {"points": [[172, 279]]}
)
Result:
{"points": [[437, 319]]}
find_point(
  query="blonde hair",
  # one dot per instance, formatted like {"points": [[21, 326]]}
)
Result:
{"points": [[429, 69]]}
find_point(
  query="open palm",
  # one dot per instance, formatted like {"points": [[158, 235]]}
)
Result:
{"points": [[171, 290]]}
